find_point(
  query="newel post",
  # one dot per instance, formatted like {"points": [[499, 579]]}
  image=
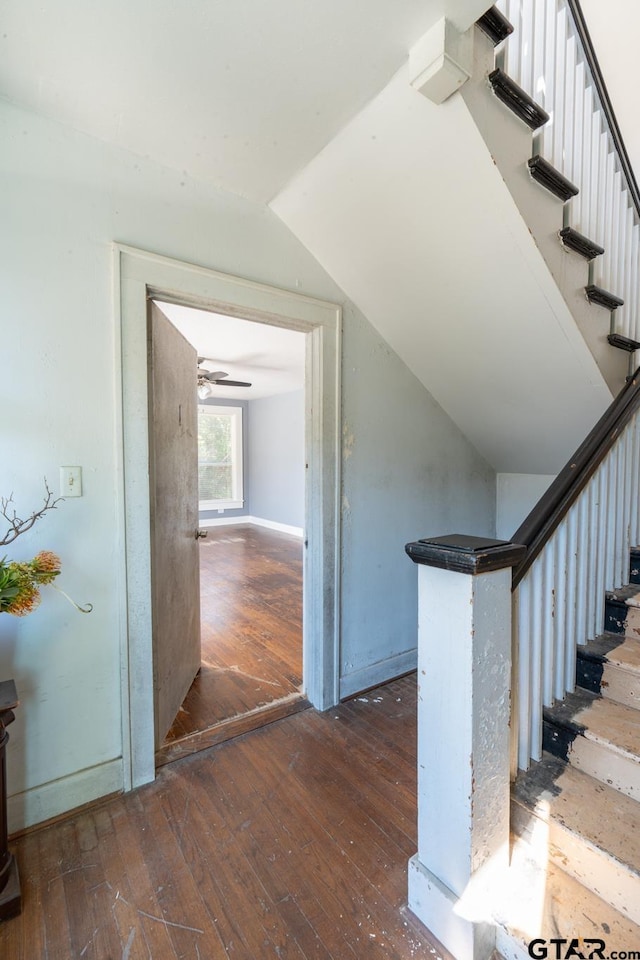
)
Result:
{"points": [[464, 680]]}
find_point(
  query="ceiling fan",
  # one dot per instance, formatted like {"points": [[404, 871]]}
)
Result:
{"points": [[208, 379]]}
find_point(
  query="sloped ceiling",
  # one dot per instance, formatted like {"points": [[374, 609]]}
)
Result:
{"points": [[408, 213], [306, 104], [242, 93]]}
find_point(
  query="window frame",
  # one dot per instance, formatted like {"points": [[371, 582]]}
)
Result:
{"points": [[236, 501]]}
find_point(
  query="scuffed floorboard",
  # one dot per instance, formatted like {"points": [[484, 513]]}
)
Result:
{"points": [[289, 842]]}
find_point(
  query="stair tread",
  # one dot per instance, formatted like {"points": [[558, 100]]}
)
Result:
{"points": [[625, 594], [546, 902], [600, 815], [599, 719], [614, 648]]}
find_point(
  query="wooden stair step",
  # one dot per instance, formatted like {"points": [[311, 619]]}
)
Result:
{"points": [[622, 611], [519, 102], [580, 244], [609, 666], [545, 902], [582, 826], [598, 736], [602, 297], [551, 179], [495, 25]]}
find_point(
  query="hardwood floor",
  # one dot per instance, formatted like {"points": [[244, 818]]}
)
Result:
{"points": [[251, 616], [290, 842]]}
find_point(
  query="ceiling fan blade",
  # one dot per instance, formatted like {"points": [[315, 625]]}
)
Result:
{"points": [[229, 383]]}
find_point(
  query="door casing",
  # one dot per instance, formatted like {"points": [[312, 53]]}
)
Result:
{"points": [[140, 276]]}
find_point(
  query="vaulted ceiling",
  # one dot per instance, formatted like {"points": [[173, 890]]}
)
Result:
{"points": [[303, 104], [242, 93]]}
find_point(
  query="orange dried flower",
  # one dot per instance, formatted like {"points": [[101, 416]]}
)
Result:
{"points": [[26, 601], [46, 566]]}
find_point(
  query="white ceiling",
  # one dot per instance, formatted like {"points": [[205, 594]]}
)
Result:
{"points": [[261, 97], [270, 358], [238, 92]]}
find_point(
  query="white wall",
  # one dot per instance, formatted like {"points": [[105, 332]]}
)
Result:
{"points": [[276, 458], [516, 495], [408, 471]]}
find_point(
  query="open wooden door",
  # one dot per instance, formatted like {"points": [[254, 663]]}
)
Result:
{"points": [[175, 567]]}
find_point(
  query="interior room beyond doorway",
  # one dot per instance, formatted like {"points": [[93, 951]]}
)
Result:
{"points": [[252, 478]]}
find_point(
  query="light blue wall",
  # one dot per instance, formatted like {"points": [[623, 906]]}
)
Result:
{"points": [[276, 458], [408, 472], [246, 419]]}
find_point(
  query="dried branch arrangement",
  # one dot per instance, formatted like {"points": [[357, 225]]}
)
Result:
{"points": [[16, 524]]}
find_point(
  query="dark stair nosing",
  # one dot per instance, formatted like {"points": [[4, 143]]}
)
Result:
{"points": [[547, 176], [623, 343], [602, 297], [517, 100], [579, 243], [495, 25]]}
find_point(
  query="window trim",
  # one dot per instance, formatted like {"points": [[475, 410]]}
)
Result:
{"points": [[236, 502]]}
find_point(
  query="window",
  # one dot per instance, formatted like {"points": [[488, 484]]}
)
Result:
{"points": [[220, 457]]}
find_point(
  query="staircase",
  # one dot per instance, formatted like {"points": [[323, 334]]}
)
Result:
{"points": [[575, 814], [562, 164]]}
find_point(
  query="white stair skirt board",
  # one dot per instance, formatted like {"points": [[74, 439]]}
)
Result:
{"points": [[256, 521], [49, 800]]}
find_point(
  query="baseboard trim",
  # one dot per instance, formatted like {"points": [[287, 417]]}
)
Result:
{"points": [[256, 521], [377, 673], [50, 800]]}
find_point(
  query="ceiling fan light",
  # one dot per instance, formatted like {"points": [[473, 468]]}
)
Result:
{"points": [[204, 390]]}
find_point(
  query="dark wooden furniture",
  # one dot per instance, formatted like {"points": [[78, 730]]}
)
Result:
{"points": [[10, 900]]}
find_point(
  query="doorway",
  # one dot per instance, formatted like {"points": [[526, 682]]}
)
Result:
{"points": [[251, 445], [141, 276]]}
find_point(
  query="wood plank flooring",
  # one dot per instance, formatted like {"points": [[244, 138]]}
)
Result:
{"points": [[290, 842], [251, 615]]}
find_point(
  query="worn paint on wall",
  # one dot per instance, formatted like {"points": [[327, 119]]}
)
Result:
{"points": [[411, 472], [516, 495]]}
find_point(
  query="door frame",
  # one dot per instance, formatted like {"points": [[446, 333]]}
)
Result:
{"points": [[140, 276]]}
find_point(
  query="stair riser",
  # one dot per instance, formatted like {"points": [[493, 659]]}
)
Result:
{"points": [[598, 760], [623, 619], [609, 680], [592, 867]]}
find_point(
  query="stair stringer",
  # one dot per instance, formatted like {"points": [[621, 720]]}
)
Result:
{"points": [[510, 143]]}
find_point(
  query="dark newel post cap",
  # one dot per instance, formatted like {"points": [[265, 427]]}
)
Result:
{"points": [[464, 554]]}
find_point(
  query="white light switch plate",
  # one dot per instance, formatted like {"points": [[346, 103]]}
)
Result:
{"points": [[70, 481]]}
